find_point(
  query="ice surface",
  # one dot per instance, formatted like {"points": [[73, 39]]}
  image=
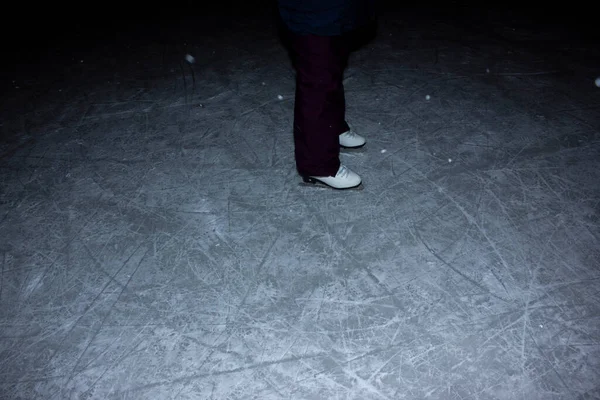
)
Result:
{"points": [[155, 242]]}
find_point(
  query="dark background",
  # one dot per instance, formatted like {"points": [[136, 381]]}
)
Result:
{"points": [[37, 35]]}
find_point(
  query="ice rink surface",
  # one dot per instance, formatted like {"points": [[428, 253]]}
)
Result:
{"points": [[156, 243]]}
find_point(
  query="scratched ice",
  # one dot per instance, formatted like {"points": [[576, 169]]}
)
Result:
{"points": [[155, 242]]}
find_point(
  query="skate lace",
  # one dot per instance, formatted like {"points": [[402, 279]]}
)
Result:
{"points": [[342, 172]]}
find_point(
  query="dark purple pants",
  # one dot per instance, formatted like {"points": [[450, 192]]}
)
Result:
{"points": [[320, 106]]}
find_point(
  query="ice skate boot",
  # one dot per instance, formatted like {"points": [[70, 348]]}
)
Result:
{"points": [[351, 140], [343, 179]]}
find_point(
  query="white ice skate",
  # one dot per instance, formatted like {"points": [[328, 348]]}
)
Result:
{"points": [[343, 179], [351, 140]]}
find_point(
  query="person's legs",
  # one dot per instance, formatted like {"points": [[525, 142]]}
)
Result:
{"points": [[319, 111]]}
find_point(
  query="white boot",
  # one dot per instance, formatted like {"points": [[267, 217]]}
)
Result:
{"points": [[343, 179], [351, 140]]}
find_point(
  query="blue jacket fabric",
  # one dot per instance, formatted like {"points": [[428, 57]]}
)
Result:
{"points": [[326, 17]]}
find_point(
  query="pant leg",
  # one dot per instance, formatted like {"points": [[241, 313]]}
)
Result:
{"points": [[319, 110]]}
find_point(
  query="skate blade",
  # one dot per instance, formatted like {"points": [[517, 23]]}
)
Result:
{"points": [[359, 149], [320, 185]]}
